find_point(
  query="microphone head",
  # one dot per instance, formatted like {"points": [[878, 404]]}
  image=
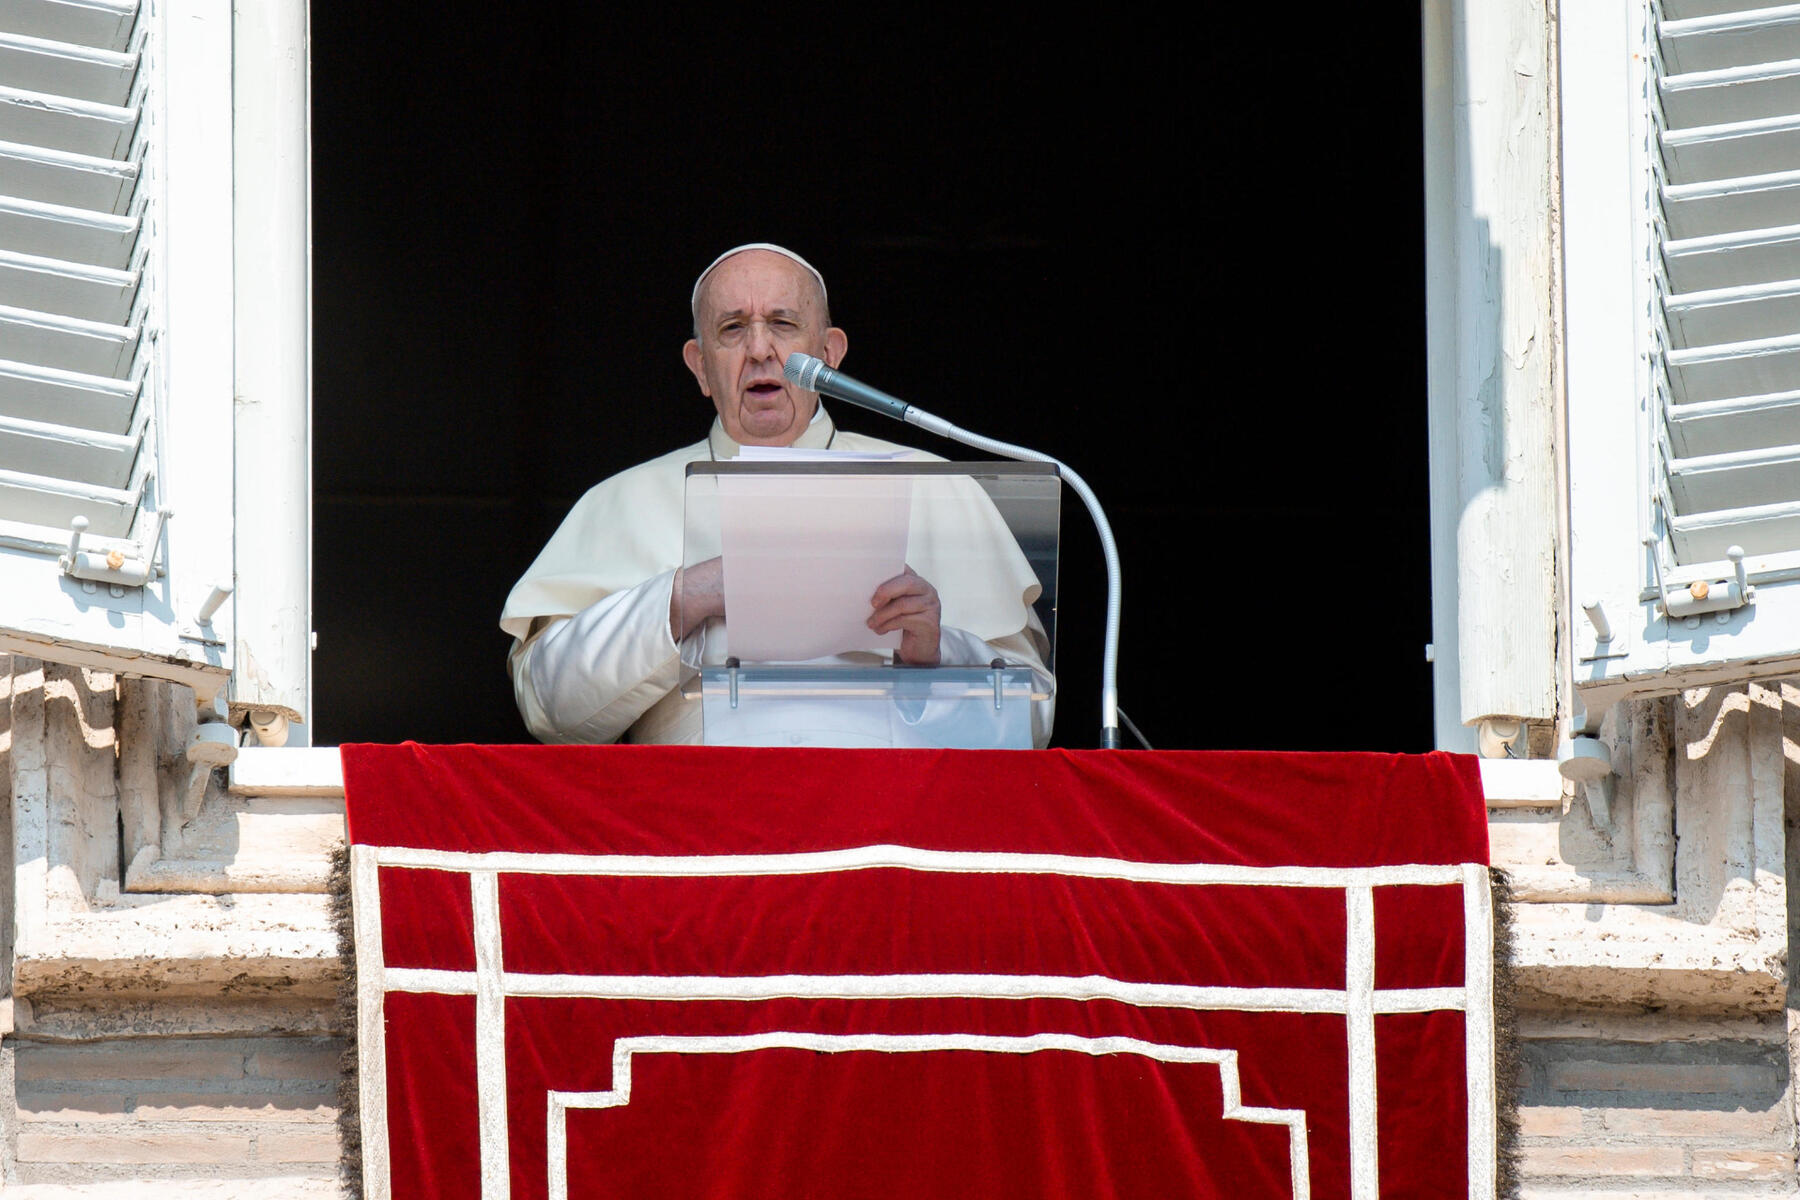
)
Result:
{"points": [[803, 369]]}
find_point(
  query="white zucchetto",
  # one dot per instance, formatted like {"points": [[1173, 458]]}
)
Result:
{"points": [[772, 248]]}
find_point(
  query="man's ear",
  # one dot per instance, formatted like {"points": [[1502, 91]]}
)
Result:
{"points": [[690, 354], [837, 344]]}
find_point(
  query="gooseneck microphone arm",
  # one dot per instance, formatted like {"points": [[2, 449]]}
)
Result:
{"points": [[815, 376]]}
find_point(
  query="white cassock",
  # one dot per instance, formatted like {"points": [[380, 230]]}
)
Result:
{"points": [[592, 660]]}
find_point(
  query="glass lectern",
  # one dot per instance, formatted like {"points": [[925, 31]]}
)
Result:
{"points": [[801, 548]]}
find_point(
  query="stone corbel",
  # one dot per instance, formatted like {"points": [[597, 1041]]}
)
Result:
{"points": [[169, 753], [191, 828], [1706, 922], [1559, 848]]}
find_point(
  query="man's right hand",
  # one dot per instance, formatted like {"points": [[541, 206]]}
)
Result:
{"points": [[699, 593]]}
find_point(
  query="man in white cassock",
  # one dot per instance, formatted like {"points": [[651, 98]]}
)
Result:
{"points": [[598, 619]]}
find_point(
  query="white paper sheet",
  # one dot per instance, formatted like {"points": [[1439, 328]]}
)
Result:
{"points": [[802, 555], [809, 454]]}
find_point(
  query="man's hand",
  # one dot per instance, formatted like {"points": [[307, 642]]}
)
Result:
{"points": [[909, 604], [699, 593]]}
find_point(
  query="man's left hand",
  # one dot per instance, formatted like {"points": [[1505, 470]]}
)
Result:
{"points": [[909, 604]]}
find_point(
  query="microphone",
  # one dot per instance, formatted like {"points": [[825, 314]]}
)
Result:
{"points": [[813, 375]]}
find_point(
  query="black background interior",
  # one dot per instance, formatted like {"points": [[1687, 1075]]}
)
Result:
{"points": [[1190, 264]]}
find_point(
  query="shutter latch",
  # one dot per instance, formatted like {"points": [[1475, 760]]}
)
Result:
{"points": [[1720, 596], [115, 567]]}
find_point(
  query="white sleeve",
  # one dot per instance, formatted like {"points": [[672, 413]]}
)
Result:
{"points": [[960, 648], [588, 677]]}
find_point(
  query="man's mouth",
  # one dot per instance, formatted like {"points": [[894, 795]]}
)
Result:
{"points": [[764, 389]]}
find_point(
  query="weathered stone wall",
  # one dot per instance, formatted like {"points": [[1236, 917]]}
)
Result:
{"points": [[174, 1108], [166, 991], [1653, 953], [1669, 1104]]}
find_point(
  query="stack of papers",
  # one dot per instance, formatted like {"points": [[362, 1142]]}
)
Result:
{"points": [[804, 553]]}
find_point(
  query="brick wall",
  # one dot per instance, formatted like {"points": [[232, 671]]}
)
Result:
{"points": [[1658, 1109], [174, 1108]]}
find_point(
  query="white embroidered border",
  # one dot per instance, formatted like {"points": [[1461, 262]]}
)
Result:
{"points": [[917, 987], [490, 1037], [1478, 1029], [912, 858], [1359, 996], [371, 1019], [556, 1137], [1359, 1001]]}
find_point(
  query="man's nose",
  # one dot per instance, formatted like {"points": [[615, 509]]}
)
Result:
{"points": [[760, 344]]}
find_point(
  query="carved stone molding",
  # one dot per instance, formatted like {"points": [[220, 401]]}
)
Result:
{"points": [[231, 900], [1682, 901], [1555, 849]]}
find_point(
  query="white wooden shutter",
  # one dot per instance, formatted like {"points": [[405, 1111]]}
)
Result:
{"points": [[1681, 186], [115, 330], [1729, 86]]}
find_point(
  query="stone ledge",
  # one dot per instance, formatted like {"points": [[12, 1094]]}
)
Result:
{"points": [[246, 942], [1647, 956]]}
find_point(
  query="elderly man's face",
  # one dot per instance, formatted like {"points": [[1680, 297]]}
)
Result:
{"points": [[755, 309]]}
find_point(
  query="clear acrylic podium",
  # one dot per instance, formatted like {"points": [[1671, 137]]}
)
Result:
{"points": [[803, 546]]}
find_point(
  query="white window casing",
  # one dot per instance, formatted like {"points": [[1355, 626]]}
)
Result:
{"points": [[274, 364], [1490, 370], [1681, 218]]}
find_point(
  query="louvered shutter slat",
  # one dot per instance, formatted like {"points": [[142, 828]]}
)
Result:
{"points": [[61, 123], [1704, 537], [79, 72], [105, 24], [1766, 200], [1749, 312], [37, 393], [1731, 259], [1676, 10], [1763, 145], [1727, 369], [1738, 479], [71, 289], [49, 501], [1739, 423], [1736, 94], [1728, 39], [81, 455], [67, 343], [81, 182], [71, 234]]}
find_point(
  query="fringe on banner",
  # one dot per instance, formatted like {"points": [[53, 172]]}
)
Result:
{"points": [[1506, 1042], [343, 920]]}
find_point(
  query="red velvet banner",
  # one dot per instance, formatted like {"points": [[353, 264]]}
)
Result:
{"points": [[675, 972]]}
